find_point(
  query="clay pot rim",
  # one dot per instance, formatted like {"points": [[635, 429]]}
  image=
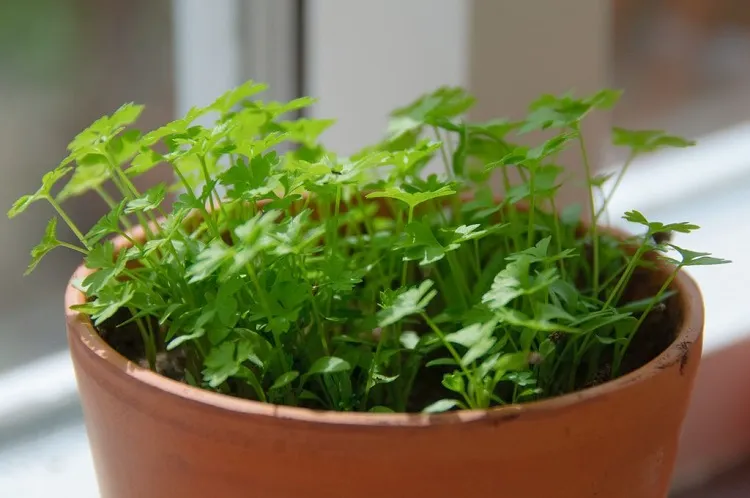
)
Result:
{"points": [[691, 328]]}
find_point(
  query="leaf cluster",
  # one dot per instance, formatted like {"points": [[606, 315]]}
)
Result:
{"points": [[359, 283]]}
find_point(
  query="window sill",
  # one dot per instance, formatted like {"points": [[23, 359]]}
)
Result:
{"points": [[717, 429], [708, 185]]}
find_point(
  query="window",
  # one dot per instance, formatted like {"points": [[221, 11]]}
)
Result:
{"points": [[64, 64]]}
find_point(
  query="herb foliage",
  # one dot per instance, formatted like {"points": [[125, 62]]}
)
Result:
{"points": [[359, 283]]}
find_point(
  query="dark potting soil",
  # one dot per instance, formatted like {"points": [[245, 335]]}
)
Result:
{"points": [[127, 340], [656, 334]]}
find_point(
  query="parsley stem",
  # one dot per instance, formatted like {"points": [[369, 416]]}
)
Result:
{"points": [[618, 180], [452, 351], [206, 216], [592, 207], [532, 209], [319, 322], [620, 286], [129, 191], [446, 161], [558, 235], [448, 145], [405, 266], [256, 282], [105, 196], [73, 247], [460, 276], [439, 278], [148, 341], [207, 177], [335, 221], [477, 259], [512, 212], [68, 222], [445, 145], [120, 178], [112, 205], [621, 351]]}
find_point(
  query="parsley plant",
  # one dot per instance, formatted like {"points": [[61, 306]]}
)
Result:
{"points": [[360, 283]]}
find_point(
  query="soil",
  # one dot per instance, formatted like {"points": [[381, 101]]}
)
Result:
{"points": [[660, 327], [127, 341]]}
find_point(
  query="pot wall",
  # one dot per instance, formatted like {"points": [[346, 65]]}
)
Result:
{"points": [[153, 437]]}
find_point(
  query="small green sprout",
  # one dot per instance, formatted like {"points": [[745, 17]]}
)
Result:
{"points": [[358, 283]]}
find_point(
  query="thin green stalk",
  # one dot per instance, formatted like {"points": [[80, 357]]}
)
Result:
{"points": [[439, 278], [73, 247], [618, 180], [522, 173], [73, 228], [130, 239], [373, 364], [621, 352], [319, 322], [512, 213], [306, 204], [148, 342], [118, 172], [210, 222], [332, 232], [532, 209], [558, 235], [112, 205], [460, 276], [606, 284], [405, 266], [506, 244], [436, 205], [105, 196], [476, 258], [446, 161], [117, 181], [580, 351], [446, 343], [444, 144], [408, 386], [615, 294], [569, 343], [336, 211], [371, 233], [207, 179], [452, 351], [127, 188], [129, 191], [262, 297], [448, 145], [572, 377], [592, 206]]}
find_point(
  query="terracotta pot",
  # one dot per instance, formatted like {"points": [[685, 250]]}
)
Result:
{"points": [[154, 437]]}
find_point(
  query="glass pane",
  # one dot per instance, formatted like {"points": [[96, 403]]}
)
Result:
{"points": [[683, 63], [684, 67], [64, 63]]}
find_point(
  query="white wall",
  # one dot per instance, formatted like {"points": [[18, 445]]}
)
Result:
{"points": [[521, 49], [207, 51], [365, 57]]}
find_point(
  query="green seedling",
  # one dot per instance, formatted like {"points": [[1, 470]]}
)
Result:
{"points": [[359, 283]]}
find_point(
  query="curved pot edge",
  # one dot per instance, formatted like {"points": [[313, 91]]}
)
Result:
{"points": [[681, 350]]}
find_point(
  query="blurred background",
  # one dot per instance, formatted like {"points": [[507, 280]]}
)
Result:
{"points": [[684, 66]]}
